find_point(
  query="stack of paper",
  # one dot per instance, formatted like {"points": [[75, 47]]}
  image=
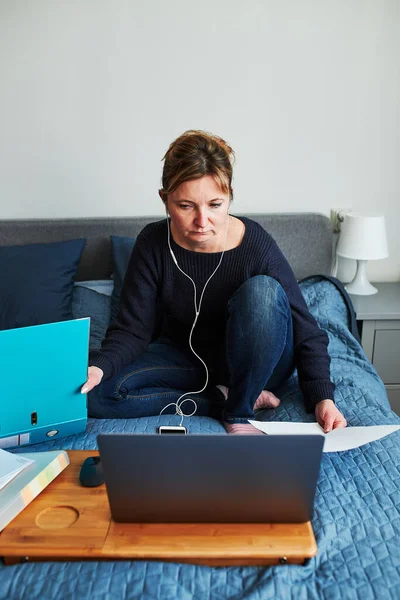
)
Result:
{"points": [[336, 440], [11, 465], [44, 467]]}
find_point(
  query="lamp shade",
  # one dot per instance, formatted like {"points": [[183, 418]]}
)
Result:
{"points": [[363, 237]]}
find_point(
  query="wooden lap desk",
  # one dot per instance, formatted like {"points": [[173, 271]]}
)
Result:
{"points": [[67, 521]]}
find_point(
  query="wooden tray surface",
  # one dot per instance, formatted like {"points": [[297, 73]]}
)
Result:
{"points": [[70, 522]]}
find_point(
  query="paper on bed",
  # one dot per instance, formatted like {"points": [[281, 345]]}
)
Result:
{"points": [[335, 441]]}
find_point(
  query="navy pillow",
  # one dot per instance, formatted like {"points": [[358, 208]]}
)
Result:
{"points": [[89, 303], [122, 249], [36, 282]]}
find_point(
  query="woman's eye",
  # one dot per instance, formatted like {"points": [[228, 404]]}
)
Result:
{"points": [[184, 206], [215, 205]]}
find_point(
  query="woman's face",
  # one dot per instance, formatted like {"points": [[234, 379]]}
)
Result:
{"points": [[199, 215]]}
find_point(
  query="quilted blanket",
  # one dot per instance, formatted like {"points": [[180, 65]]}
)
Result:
{"points": [[357, 505]]}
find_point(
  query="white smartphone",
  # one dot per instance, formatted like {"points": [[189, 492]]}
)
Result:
{"points": [[172, 429]]}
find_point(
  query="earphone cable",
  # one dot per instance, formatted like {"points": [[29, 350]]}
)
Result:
{"points": [[180, 402]]}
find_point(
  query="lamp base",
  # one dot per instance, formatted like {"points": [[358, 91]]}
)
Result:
{"points": [[360, 285]]}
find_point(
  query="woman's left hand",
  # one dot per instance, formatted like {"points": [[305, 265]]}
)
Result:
{"points": [[328, 416]]}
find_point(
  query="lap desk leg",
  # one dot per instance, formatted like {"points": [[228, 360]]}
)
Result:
{"points": [[70, 522]]}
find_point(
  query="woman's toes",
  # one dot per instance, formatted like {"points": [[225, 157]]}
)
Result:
{"points": [[242, 429]]}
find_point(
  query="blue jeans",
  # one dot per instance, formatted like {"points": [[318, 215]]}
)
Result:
{"points": [[257, 354]]}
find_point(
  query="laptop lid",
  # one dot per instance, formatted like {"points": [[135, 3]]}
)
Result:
{"points": [[211, 478], [42, 369]]}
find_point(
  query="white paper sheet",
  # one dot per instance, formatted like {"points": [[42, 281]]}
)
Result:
{"points": [[337, 440], [11, 465]]}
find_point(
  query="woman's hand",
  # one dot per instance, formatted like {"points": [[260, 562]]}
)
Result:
{"points": [[95, 375], [328, 416]]}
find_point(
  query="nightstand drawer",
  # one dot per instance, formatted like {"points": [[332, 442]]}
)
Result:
{"points": [[393, 392], [386, 355]]}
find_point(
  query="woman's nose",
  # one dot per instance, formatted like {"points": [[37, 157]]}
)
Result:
{"points": [[201, 218]]}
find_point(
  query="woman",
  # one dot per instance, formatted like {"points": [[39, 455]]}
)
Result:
{"points": [[218, 284]]}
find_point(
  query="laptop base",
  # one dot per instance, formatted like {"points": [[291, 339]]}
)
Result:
{"points": [[70, 522]]}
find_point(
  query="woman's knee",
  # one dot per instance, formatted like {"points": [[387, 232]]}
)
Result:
{"points": [[259, 296]]}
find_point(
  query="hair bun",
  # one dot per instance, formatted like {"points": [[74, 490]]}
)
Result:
{"points": [[211, 138]]}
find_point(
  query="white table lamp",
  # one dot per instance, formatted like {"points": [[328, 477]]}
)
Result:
{"points": [[362, 237]]}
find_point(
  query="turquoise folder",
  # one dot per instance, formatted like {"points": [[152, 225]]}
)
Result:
{"points": [[42, 369]]}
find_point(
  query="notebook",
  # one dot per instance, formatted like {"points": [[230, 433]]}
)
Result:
{"points": [[42, 369], [19, 492], [211, 478]]}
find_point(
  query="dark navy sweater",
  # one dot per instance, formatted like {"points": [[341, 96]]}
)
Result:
{"points": [[157, 298]]}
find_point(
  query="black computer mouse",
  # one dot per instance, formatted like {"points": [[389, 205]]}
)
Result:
{"points": [[91, 474]]}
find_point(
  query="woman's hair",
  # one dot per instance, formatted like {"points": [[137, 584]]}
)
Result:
{"points": [[195, 154]]}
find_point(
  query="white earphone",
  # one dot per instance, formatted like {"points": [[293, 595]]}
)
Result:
{"points": [[197, 308]]}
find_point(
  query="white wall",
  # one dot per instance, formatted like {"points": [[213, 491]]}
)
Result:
{"points": [[306, 91]]}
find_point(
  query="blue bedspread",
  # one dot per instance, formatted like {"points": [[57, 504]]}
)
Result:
{"points": [[357, 506]]}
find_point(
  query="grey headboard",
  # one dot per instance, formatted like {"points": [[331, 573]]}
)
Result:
{"points": [[304, 238]]}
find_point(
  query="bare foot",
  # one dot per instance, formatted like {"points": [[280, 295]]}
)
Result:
{"points": [[242, 429], [266, 400]]}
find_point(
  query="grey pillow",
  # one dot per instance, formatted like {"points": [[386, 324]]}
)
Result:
{"points": [[88, 303]]}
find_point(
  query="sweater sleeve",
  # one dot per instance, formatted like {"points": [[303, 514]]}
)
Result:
{"points": [[131, 332], [310, 342]]}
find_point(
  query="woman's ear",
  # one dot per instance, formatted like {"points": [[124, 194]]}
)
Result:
{"points": [[163, 197]]}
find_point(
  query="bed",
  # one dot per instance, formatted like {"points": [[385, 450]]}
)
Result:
{"points": [[357, 506]]}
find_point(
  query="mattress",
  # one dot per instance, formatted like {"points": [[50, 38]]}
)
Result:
{"points": [[357, 506]]}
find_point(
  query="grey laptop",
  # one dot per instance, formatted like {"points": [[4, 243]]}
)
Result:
{"points": [[211, 478]]}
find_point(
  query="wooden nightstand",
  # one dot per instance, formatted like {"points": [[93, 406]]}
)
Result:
{"points": [[379, 319]]}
